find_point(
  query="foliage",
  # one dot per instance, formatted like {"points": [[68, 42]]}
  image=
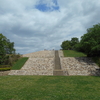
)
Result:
{"points": [[13, 58], [19, 64], [70, 45], [5, 69], [74, 42], [90, 42], [49, 88], [6, 47], [97, 60], [71, 53], [66, 45]]}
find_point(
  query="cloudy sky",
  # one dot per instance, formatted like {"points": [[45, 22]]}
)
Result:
{"points": [[35, 25]]}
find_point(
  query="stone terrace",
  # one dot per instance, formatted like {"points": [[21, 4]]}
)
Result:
{"points": [[39, 63], [78, 66], [43, 63]]}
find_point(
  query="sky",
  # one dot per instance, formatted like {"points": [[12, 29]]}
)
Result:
{"points": [[35, 25]]}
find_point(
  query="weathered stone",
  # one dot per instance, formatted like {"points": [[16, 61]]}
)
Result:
{"points": [[78, 65], [39, 63], [43, 63]]}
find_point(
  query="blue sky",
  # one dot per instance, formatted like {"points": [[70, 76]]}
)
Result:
{"points": [[35, 25], [44, 6]]}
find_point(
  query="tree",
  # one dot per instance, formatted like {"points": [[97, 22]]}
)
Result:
{"points": [[90, 42], [10, 47], [6, 47], [74, 42], [2, 48], [66, 45]]}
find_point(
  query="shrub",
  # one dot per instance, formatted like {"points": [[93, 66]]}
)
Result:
{"points": [[5, 69], [13, 58]]}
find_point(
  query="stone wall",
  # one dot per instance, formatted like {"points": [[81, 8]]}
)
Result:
{"points": [[3, 73]]}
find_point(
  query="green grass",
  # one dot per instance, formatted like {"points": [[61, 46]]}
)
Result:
{"points": [[71, 53], [49, 88], [18, 65]]}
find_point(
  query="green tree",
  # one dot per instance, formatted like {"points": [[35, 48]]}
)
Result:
{"points": [[66, 45], [74, 42], [2, 48], [90, 42], [6, 47]]}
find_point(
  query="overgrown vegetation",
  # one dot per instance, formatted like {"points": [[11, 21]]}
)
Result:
{"points": [[5, 69], [49, 88], [7, 53], [18, 65], [72, 53], [70, 45], [89, 43], [6, 47], [96, 60]]}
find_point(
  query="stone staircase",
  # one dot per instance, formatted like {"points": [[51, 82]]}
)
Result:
{"points": [[54, 63], [57, 70]]}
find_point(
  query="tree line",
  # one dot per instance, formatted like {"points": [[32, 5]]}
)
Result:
{"points": [[89, 43]]}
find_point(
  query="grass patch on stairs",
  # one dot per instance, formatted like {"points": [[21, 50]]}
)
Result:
{"points": [[19, 64], [72, 53]]}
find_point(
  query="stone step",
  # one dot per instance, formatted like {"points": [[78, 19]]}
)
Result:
{"points": [[58, 73], [57, 60]]}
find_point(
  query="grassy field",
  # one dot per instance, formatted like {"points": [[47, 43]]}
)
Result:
{"points": [[49, 88], [18, 65], [71, 53]]}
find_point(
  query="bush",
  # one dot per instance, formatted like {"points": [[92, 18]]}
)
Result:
{"points": [[13, 58], [5, 69], [9, 59]]}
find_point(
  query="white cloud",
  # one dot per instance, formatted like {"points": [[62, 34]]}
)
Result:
{"points": [[33, 30]]}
